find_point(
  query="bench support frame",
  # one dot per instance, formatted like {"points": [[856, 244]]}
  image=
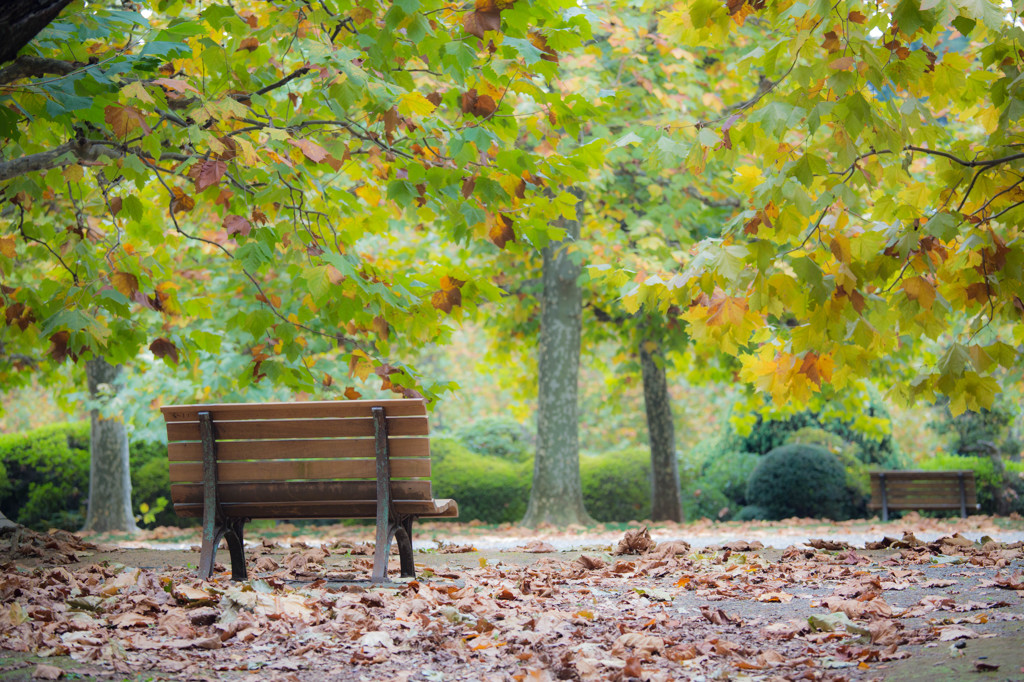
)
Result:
{"points": [[391, 525]]}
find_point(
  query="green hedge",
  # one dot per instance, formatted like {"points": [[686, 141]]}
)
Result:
{"points": [[719, 491], [985, 478], [44, 476], [617, 485], [489, 489]]}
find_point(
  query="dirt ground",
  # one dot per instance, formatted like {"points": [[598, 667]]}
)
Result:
{"points": [[937, 600]]}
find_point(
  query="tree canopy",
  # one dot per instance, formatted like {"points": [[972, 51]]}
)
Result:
{"points": [[313, 182], [874, 152], [813, 192]]}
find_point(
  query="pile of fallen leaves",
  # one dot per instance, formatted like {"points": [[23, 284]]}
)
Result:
{"points": [[649, 611]]}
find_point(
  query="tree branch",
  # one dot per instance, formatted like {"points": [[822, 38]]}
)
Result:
{"points": [[82, 150], [284, 81], [27, 66], [969, 164]]}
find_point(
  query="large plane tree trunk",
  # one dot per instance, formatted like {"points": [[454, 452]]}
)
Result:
{"points": [[556, 496], [665, 495], [110, 484]]}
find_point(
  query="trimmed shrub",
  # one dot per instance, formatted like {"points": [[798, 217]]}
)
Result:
{"points": [[858, 477], [704, 501], [45, 476], [752, 513], [720, 489], [498, 437], [799, 480], [617, 485], [489, 489]]}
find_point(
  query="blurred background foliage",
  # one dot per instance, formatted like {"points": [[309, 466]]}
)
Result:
{"points": [[483, 440]]}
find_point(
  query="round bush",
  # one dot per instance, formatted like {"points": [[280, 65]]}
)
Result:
{"points": [[617, 485], [799, 480], [497, 437]]}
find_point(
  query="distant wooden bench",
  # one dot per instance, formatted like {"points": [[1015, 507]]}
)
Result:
{"points": [[927, 490], [346, 459]]}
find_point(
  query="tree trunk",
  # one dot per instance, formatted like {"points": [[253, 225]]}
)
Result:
{"points": [[110, 484], [556, 496], [21, 20], [665, 494]]}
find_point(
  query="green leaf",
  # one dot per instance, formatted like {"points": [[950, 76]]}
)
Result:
{"points": [[954, 361]]}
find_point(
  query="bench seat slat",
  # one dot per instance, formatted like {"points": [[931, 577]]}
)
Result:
{"points": [[292, 491], [919, 474], [293, 470], [932, 506], [347, 509], [312, 409], [298, 428], [298, 449]]}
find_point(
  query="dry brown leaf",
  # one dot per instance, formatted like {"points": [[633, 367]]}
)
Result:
{"points": [[637, 641], [47, 672], [635, 541], [954, 632]]}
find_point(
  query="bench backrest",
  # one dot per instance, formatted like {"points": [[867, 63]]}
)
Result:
{"points": [[923, 489], [291, 460]]}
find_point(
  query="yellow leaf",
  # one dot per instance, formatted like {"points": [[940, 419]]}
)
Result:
{"points": [[747, 180], [137, 90], [7, 246], [410, 103], [73, 173], [370, 194], [126, 283], [249, 155], [921, 290]]}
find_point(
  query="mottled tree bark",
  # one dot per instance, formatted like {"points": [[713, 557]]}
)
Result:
{"points": [[665, 496], [557, 496], [110, 484], [21, 20]]}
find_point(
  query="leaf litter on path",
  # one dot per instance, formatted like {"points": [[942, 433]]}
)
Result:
{"points": [[650, 611]]}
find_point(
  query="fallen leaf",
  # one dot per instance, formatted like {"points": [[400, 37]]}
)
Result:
{"points": [[47, 672], [635, 541]]}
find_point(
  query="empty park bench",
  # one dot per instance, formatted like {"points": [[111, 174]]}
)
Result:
{"points": [[927, 490], [316, 460]]}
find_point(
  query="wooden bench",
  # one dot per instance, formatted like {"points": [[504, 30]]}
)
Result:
{"points": [[929, 490], [346, 459]]}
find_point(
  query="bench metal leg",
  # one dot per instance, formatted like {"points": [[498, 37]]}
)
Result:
{"points": [[215, 530], [212, 534], [382, 545], [403, 536], [234, 534], [885, 498]]}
